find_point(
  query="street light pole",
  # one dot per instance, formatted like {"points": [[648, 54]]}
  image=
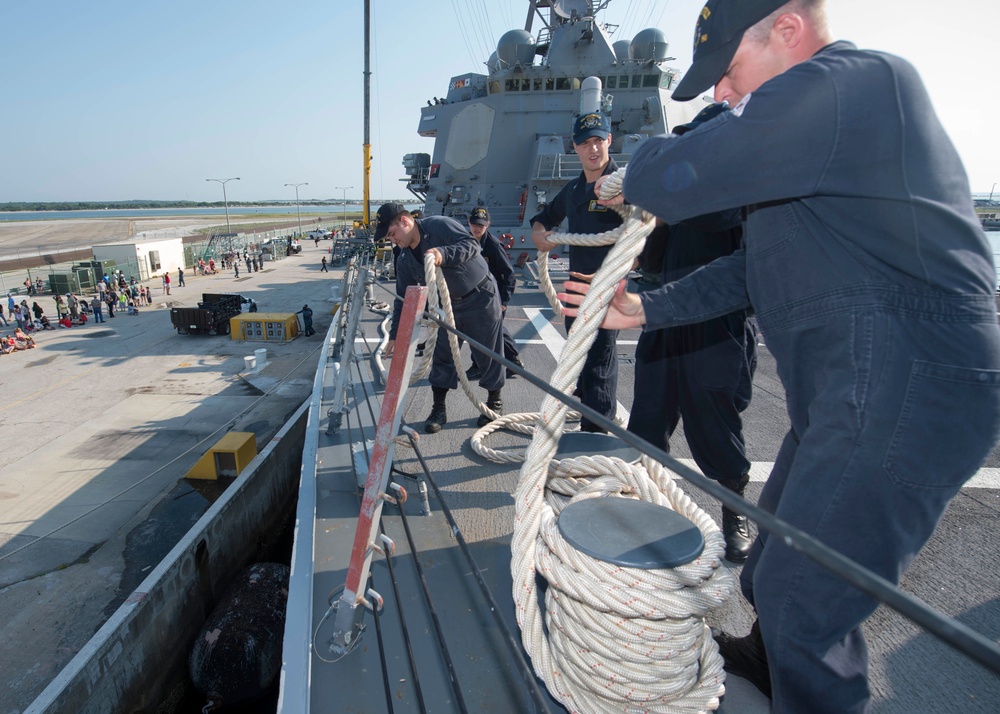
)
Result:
{"points": [[225, 198], [344, 189], [296, 185], [991, 191]]}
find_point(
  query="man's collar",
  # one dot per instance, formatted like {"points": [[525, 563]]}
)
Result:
{"points": [[610, 168]]}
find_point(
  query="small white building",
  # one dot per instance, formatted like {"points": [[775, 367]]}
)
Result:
{"points": [[150, 258]]}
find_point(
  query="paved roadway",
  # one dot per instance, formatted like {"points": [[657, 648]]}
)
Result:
{"points": [[101, 424]]}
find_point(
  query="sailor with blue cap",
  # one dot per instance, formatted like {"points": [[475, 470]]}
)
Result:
{"points": [[576, 204], [503, 273], [474, 299]]}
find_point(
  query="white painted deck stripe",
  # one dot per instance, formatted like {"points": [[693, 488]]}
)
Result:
{"points": [[554, 342]]}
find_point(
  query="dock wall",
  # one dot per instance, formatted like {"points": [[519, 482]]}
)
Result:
{"points": [[130, 663]]}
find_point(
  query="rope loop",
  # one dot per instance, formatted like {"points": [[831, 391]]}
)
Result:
{"points": [[613, 638]]}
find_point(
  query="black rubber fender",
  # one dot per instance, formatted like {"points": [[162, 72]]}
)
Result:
{"points": [[237, 654]]}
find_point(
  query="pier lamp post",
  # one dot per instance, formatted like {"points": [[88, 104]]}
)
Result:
{"points": [[297, 213], [991, 191], [225, 198], [345, 189]]}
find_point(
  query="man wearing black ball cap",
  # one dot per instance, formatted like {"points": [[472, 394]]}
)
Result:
{"points": [[503, 273], [473, 297], [873, 286]]}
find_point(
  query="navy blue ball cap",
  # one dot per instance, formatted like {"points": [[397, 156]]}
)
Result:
{"points": [[479, 216], [386, 214], [592, 124], [717, 36]]}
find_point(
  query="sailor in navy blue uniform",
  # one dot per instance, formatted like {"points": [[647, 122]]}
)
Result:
{"points": [[576, 204], [873, 285], [503, 273], [473, 297], [701, 373]]}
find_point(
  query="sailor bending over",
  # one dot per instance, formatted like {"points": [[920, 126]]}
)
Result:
{"points": [[473, 297]]}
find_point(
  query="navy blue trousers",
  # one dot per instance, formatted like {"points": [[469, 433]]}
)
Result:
{"points": [[702, 373], [477, 315], [598, 381], [891, 412], [510, 350]]}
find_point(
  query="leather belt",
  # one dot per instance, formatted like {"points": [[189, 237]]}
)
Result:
{"points": [[469, 294]]}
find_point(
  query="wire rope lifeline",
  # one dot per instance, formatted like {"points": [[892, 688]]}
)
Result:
{"points": [[615, 638]]}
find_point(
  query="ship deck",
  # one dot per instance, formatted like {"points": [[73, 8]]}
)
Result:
{"points": [[436, 645]]}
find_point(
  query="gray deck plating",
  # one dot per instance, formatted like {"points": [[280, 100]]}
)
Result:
{"points": [[911, 671]]}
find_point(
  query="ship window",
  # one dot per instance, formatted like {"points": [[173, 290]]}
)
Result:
{"points": [[636, 80], [623, 81], [537, 84], [650, 80], [494, 87], [610, 82], [517, 85], [550, 84], [665, 80], [576, 82], [562, 83]]}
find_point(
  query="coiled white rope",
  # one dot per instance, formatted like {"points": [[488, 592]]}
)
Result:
{"points": [[618, 639]]}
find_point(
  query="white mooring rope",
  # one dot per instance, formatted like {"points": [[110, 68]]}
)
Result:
{"points": [[615, 639]]}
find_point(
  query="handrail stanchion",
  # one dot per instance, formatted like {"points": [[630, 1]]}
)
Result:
{"points": [[348, 620], [357, 303]]}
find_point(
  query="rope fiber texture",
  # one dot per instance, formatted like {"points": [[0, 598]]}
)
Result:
{"points": [[615, 639]]}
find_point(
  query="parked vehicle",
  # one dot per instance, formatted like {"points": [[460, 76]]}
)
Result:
{"points": [[211, 316]]}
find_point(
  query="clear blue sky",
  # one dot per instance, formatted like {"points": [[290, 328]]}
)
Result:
{"points": [[116, 100]]}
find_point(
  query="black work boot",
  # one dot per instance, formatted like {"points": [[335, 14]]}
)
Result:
{"points": [[736, 527], [439, 416], [495, 402], [746, 657]]}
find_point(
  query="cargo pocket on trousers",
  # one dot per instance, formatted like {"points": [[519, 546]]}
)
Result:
{"points": [[947, 425]]}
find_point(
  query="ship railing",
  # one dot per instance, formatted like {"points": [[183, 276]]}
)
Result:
{"points": [[557, 167], [563, 167]]}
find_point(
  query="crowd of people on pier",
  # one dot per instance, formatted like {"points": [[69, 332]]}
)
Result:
{"points": [[114, 293]]}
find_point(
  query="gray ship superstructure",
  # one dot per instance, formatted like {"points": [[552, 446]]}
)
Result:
{"points": [[502, 140]]}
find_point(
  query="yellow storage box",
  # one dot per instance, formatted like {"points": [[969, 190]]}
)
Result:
{"points": [[230, 455], [264, 326]]}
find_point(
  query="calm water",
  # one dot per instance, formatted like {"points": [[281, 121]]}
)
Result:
{"points": [[155, 212]]}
